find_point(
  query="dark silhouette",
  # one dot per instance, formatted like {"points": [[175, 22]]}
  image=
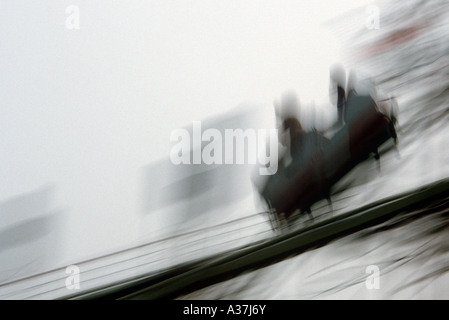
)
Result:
{"points": [[317, 163], [338, 81]]}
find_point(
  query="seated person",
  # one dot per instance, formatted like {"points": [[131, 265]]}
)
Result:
{"points": [[337, 83]]}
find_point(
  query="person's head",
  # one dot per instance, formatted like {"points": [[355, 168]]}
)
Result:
{"points": [[289, 106], [286, 110], [338, 74]]}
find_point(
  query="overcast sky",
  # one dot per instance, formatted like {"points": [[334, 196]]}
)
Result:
{"points": [[84, 110]]}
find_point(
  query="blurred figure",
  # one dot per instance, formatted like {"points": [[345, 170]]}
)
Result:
{"points": [[288, 108], [301, 143], [385, 103], [302, 167], [289, 126], [338, 82], [295, 131]]}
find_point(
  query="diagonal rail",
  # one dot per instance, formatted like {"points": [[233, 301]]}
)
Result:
{"points": [[193, 276]]}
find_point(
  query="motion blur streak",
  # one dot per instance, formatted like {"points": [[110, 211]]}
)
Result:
{"points": [[407, 57], [29, 234], [193, 212]]}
